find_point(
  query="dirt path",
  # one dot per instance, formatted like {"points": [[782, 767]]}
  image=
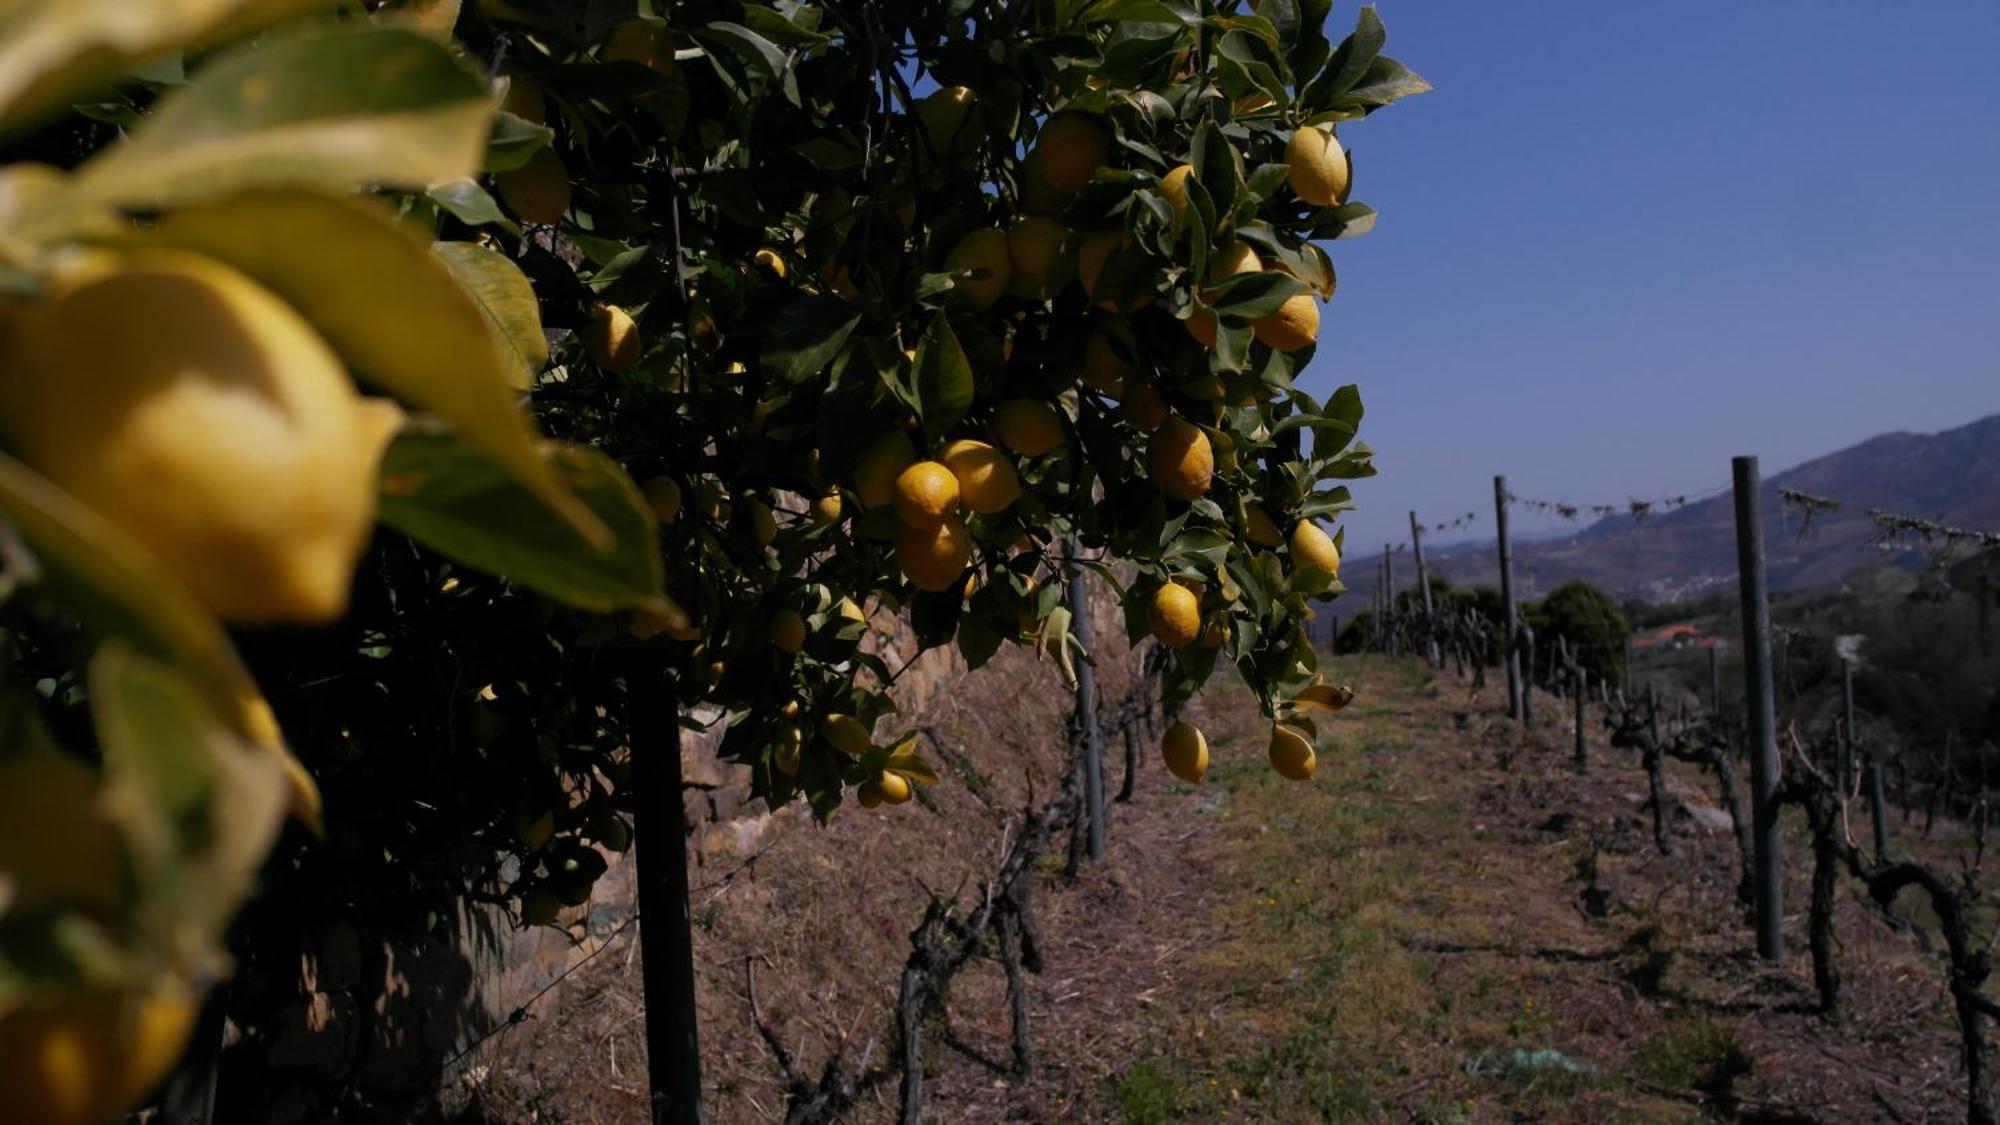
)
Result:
{"points": [[1448, 925]]}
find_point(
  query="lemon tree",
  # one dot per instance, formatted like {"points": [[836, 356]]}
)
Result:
{"points": [[392, 395]]}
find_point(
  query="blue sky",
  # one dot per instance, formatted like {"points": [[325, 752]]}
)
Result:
{"points": [[1621, 242]]}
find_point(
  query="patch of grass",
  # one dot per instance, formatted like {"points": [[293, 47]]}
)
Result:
{"points": [[1696, 1054], [1146, 1096]]}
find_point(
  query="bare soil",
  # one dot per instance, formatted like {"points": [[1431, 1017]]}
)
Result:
{"points": [[1449, 924]]}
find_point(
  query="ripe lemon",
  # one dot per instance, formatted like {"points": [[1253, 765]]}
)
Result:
{"points": [[1174, 616], [875, 476], [1071, 148], [1293, 326], [763, 524], [1145, 407], [982, 255], [926, 493], [1312, 547], [1033, 245], [1028, 426], [84, 1058], [1173, 185], [1185, 751], [847, 734], [196, 411], [1038, 195], [1200, 324], [538, 191], [1259, 528], [987, 482], [948, 122], [786, 752], [887, 789], [1316, 168], [1103, 367], [640, 41], [524, 100], [932, 558], [663, 495], [1240, 258], [612, 339], [1213, 633], [1180, 460], [1323, 696], [788, 631], [826, 510], [847, 608], [1292, 754], [1091, 254], [768, 259]]}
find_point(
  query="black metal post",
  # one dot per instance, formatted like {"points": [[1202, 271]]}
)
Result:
{"points": [[666, 936], [1760, 714], [1086, 710], [1507, 598], [1876, 813], [1424, 584], [1847, 738]]}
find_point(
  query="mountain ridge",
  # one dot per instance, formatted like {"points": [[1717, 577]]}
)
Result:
{"points": [[1952, 476]]}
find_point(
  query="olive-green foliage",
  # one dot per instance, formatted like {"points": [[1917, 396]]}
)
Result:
{"points": [[1589, 620]]}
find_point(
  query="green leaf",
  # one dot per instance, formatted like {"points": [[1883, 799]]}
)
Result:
{"points": [[506, 298], [806, 335], [944, 379], [446, 494], [470, 204], [393, 311], [1386, 81], [1253, 295], [762, 54], [54, 51], [198, 808], [1216, 166], [332, 110], [56, 844], [1349, 61], [513, 141], [119, 591]]}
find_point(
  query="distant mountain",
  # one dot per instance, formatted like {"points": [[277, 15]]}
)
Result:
{"points": [[1952, 476]]}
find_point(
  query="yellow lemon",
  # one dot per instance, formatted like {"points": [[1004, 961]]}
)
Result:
{"points": [[1173, 185], [982, 266], [763, 524], [1028, 426], [612, 338], [640, 41], [1033, 245], [1180, 459], [524, 100], [826, 510], [932, 558], [788, 631], [847, 734], [1174, 616], [1259, 528], [1240, 258], [195, 410], [1322, 696], [785, 755], [1185, 751], [663, 496], [887, 789], [1103, 367], [1038, 195], [768, 259], [1091, 254], [875, 476], [1200, 324], [1071, 148], [1312, 547], [85, 1057], [948, 122], [1292, 754], [987, 482], [1316, 167], [538, 191], [926, 493], [1294, 325]]}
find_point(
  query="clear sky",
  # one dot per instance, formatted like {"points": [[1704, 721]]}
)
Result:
{"points": [[1622, 241]]}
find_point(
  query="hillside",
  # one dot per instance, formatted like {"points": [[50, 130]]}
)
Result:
{"points": [[1953, 476]]}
